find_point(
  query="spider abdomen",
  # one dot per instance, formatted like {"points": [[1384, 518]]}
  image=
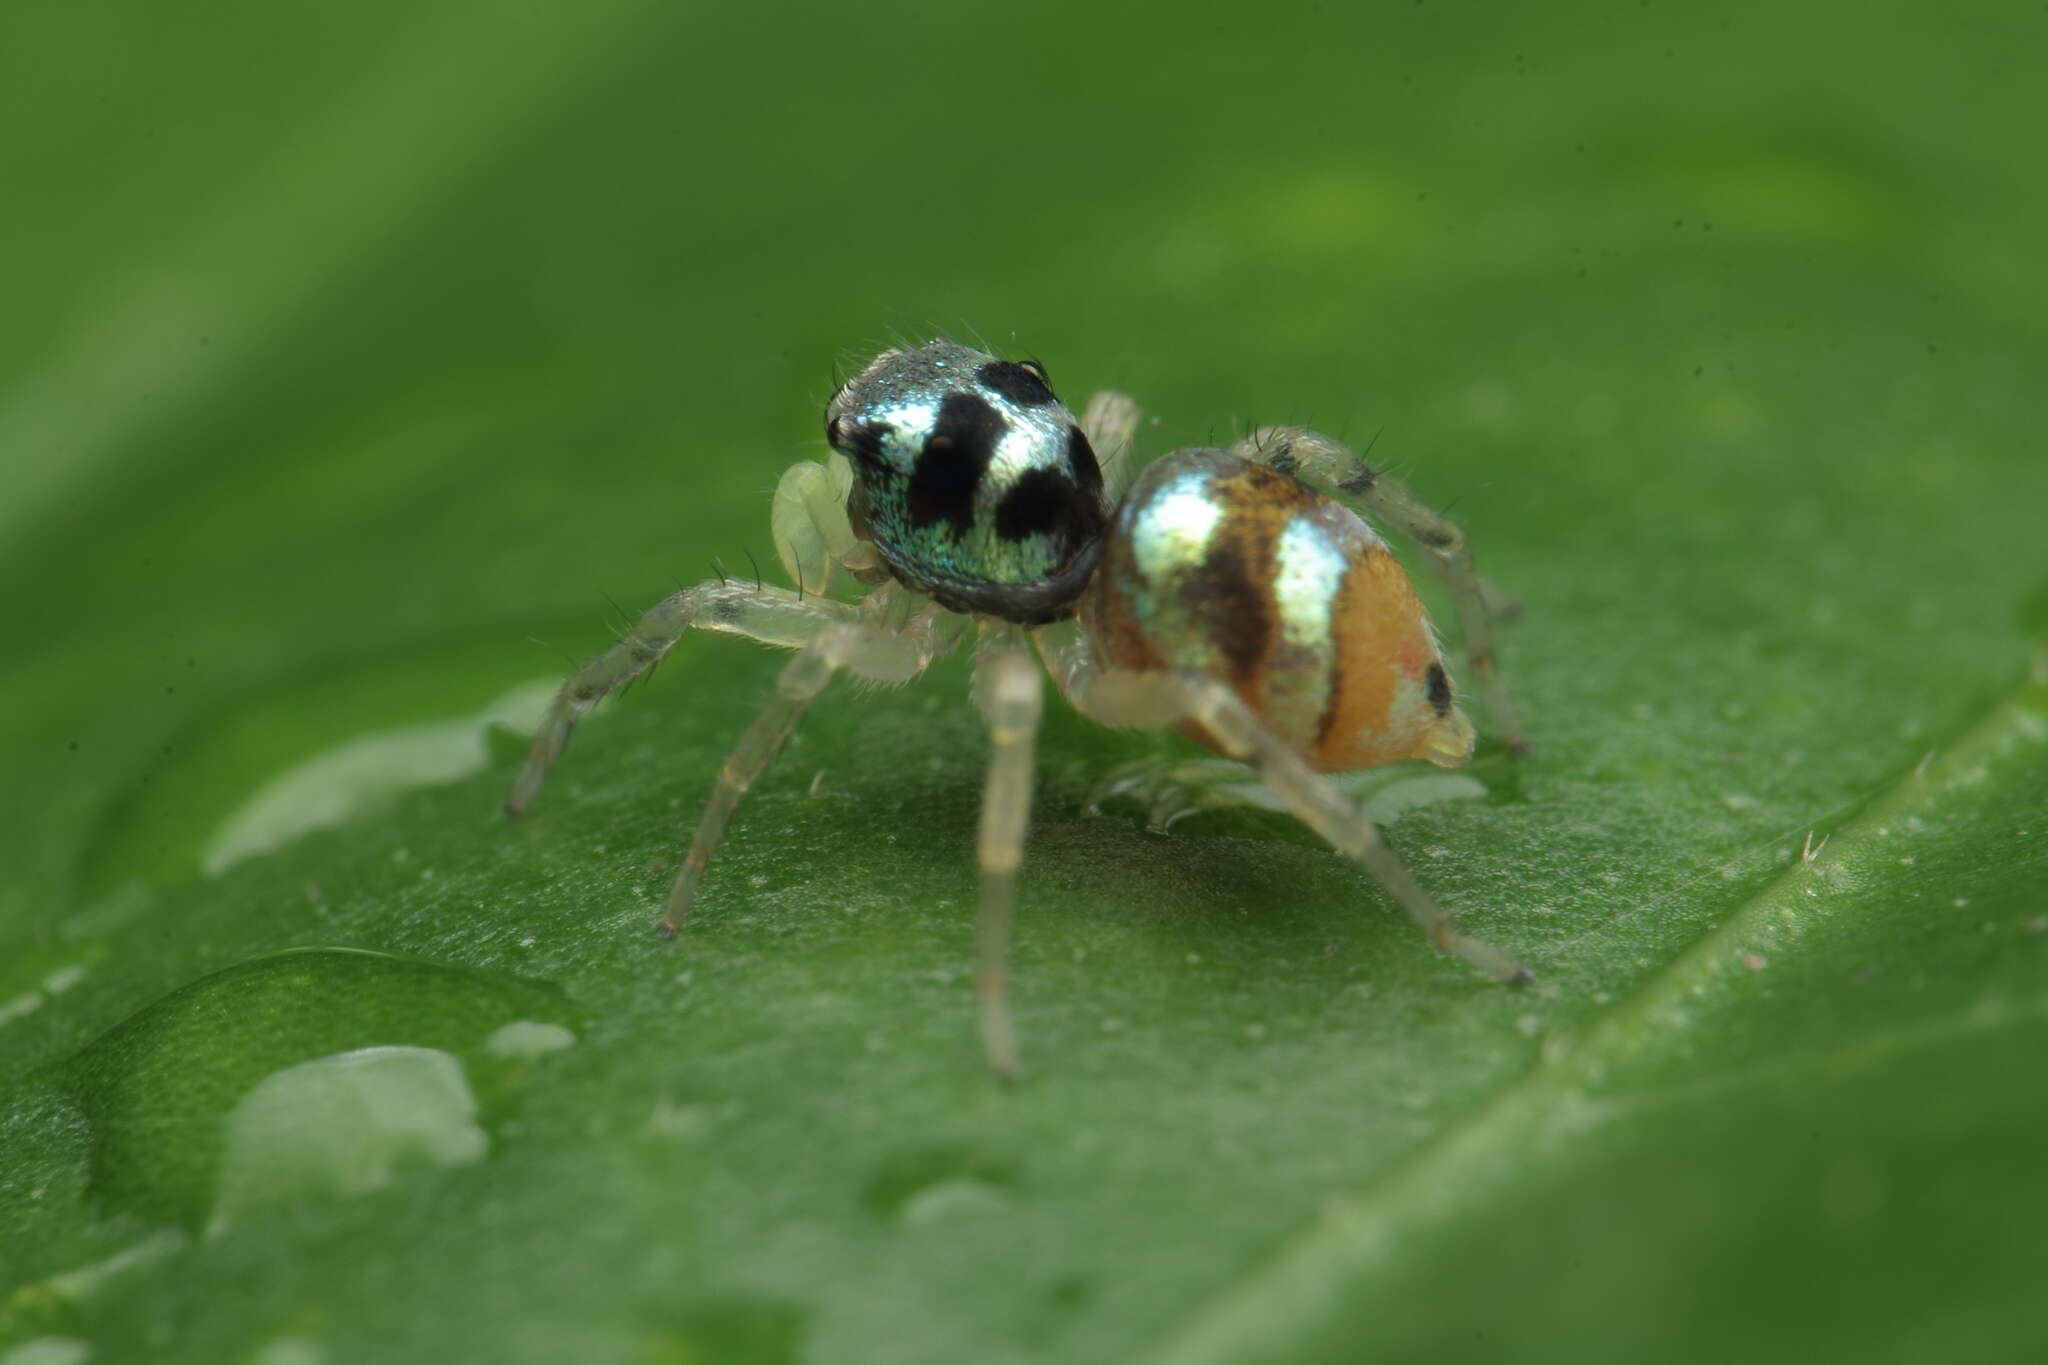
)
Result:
{"points": [[1219, 565]]}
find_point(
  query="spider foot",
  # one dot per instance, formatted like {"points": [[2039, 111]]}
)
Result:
{"points": [[1171, 789]]}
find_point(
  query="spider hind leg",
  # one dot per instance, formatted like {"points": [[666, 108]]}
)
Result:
{"points": [[1125, 697]]}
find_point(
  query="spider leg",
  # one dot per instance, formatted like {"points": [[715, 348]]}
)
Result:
{"points": [[1110, 422], [1157, 699], [774, 616], [870, 650], [1297, 450], [1009, 689]]}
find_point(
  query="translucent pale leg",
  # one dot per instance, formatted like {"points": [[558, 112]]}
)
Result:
{"points": [[1110, 422], [1009, 689], [868, 649], [1172, 789], [1328, 461], [1119, 697], [774, 616]]}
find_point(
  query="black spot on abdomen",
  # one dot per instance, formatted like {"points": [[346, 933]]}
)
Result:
{"points": [[953, 462], [1439, 690], [1232, 605]]}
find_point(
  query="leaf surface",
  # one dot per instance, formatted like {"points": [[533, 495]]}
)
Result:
{"points": [[361, 370]]}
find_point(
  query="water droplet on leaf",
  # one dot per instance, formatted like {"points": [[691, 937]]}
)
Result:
{"points": [[158, 1088], [345, 1125], [898, 1188]]}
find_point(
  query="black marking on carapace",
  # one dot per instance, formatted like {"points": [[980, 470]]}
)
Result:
{"points": [[1040, 502], [863, 443], [1081, 459], [954, 459], [1023, 385], [1439, 689], [1232, 606]]}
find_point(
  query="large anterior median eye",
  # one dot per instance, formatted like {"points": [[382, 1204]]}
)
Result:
{"points": [[859, 441]]}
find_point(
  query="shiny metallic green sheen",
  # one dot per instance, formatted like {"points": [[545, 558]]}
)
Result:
{"points": [[1169, 519], [969, 495]]}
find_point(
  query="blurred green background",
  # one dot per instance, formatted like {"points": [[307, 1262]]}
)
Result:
{"points": [[360, 364]]}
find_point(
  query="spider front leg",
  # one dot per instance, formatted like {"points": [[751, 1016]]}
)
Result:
{"points": [[869, 649], [1158, 699], [1009, 689], [1299, 451], [774, 616], [813, 539]]}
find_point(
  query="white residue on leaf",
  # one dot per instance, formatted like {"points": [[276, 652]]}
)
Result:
{"points": [[343, 782], [49, 1351], [82, 1281], [344, 1124], [28, 1002], [291, 1350], [525, 1038], [64, 978]]}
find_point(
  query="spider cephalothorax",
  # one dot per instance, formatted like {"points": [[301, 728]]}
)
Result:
{"points": [[1220, 594], [972, 480]]}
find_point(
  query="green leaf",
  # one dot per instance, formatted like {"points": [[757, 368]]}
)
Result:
{"points": [[362, 368]]}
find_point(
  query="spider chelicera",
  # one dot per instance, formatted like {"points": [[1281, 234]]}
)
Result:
{"points": [[1220, 594]]}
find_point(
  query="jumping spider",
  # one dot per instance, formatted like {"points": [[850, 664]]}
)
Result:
{"points": [[1221, 595]]}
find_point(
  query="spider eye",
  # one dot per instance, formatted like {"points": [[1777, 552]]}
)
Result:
{"points": [[1020, 381], [859, 441]]}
